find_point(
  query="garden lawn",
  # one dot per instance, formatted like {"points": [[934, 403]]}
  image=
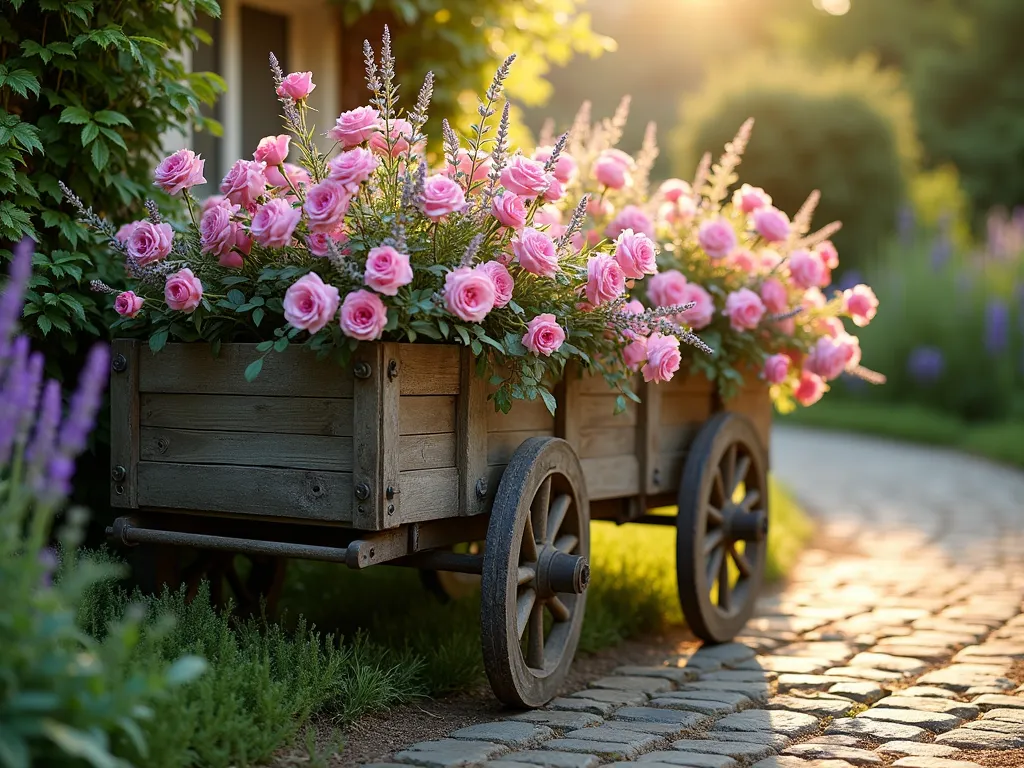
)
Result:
{"points": [[1002, 441]]}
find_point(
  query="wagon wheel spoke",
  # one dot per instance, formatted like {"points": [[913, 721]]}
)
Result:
{"points": [[713, 540], [539, 511], [729, 470], [556, 516], [567, 543], [528, 552], [752, 497], [558, 609], [742, 563], [742, 468], [724, 593], [718, 488], [526, 574], [535, 638], [524, 609], [714, 564], [714, 515]]}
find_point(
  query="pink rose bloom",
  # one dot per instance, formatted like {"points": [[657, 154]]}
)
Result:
{"points": [[318, 242], [613, 169], [503, 282], [786, 327], [554, 192], [599, 209], [636, 255], [310, 303], [776, 368], [749, 199], [743, 260], [525, 177], [297, 85], [535, 252], [363, 315], [828, 254], [182, 170], [813, 298], [245, 183], [326, 205], [770, 259], [700, 315], [666, 289], [634, 354], [469, 294], [464, 160], [232, 257], [673, 189], [605, 280], [150, 242], [565, 166], [442, 196], [213, 200], [678, 212], [543, 335], [231, 260], [124, 234], [509, 209], [127, 304], [831, 356], [810, 388], [387, 270], [633, 307], [352, 168], [295, 175], [183, 291], [744, 309], [272, 150], [807, 270], [663, 358], [548, 215], [717, 237], [774, 296], [630, 217], [861, 304], [355, 126], [771, 224], [577, 241], [829, 326], [401, 134], [274, 223]]}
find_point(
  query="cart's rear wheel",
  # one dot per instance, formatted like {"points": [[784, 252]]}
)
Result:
{"points": [[722, 527], [447, 586], [535, 573]]}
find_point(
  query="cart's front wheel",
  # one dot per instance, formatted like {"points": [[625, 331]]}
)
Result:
{"points": [[535, 573], [722, 527]]}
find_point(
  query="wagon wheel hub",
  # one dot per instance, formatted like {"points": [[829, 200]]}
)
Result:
{"points": [[740, 525], [557, 571]]}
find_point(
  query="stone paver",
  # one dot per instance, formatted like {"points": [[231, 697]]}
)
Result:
{"points": [[930, 704], [818, 706], [993, 700], [933, 762], [936, 722], [852, 755], [559, 721], [688, 759], [876, 730], [864, 693], [738, 749], [450, 753], [634, 684], [917, 749], [510, 734], [554, 759]]}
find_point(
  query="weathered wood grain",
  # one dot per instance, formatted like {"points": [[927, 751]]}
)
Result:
{"points": [[427, 414], [676, 438], [312, 495], [192, 368], [501, 445], [612, 477], [429, 369], [255, 449], [754, 401], [390, 443], [240, 413], [426, 451], [607, 441], [368, 400], [652, 479], [569, 419], [430, 494], [471, 435], [124, 424], [524, 415], [599, 411]]}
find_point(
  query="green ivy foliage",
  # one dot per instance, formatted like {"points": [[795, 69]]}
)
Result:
{"points": [[87, 90]]}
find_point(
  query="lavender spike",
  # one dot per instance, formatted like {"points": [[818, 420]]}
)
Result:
{"points": [[85, 402]]}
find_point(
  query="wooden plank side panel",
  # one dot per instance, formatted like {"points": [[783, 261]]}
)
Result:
{"points": [[368, 449], [754, 401], [428, 369], [426, 451], [599, 442], [501, 445], [240, 413], [253, 449], [430, 494], [599, 411], [524, 415], [612, 477], [311, 495], [124, 422], [188, 368], [427, 414], [471, 436]]}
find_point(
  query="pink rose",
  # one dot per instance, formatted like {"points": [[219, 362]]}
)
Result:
{"points": [[441, 196], [807, 270], [274, 223], [326, 205], [636, 255], [503, 282], [565, 166], [464, 160], [613, 169], [469, 294], [717, 237], [813, 298], [700, 315], [535, 252], [509, 209], [124, 234], [666, 289], [387, 270], [183, 291], [272, 150], [630, 217], [634, 354], [127, 304], [771, 224], [294, 175], [831, 356], [231, 260], [400, 133], [673, 189], [182, 170], [150, 242], [776, 368], [774, 296], [809, 389], [744, 309], [749, 199], [355, 126], [598, 208], [828, 254], [525, 177], [605, 280], [554, 192], [213, 200], [678, 212], [310, 303], [363, 315], [663, 358], [633, 307], [352, 168], [543, 335], [743, 260], [828, 326], [861, 304], [245, 183], [318, 242], [547, 215], [786, 327], [770, 259], [297, 85]]}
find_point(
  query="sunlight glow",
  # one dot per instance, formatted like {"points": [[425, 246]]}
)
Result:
{"points": [[834, 7]]}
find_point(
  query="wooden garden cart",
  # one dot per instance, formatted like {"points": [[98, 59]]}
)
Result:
{"points": [[400, 458]]}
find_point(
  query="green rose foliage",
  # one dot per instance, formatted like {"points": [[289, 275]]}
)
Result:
{"points": [[87, 88]]}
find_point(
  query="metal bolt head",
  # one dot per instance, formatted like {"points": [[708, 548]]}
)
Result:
{"points": [[391, 509], [481, 488], [392, 370], [118, 474], [361, 370], [119, 364], [656, 478], [362, 491], [389, 493]]}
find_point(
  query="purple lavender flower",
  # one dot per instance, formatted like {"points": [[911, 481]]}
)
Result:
{"points": [[16, 394], [48, 559], [44, 439], [849, 279], [906, 223], [997, 326], [85, 402], [942, 251], [926, 364]]}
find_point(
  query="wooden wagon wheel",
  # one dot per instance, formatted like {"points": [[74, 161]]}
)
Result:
{"points": [[447, 586], [722, 527], [535, 573]]}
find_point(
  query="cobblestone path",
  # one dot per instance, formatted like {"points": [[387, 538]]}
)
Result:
{"points": [[898, 641]]}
